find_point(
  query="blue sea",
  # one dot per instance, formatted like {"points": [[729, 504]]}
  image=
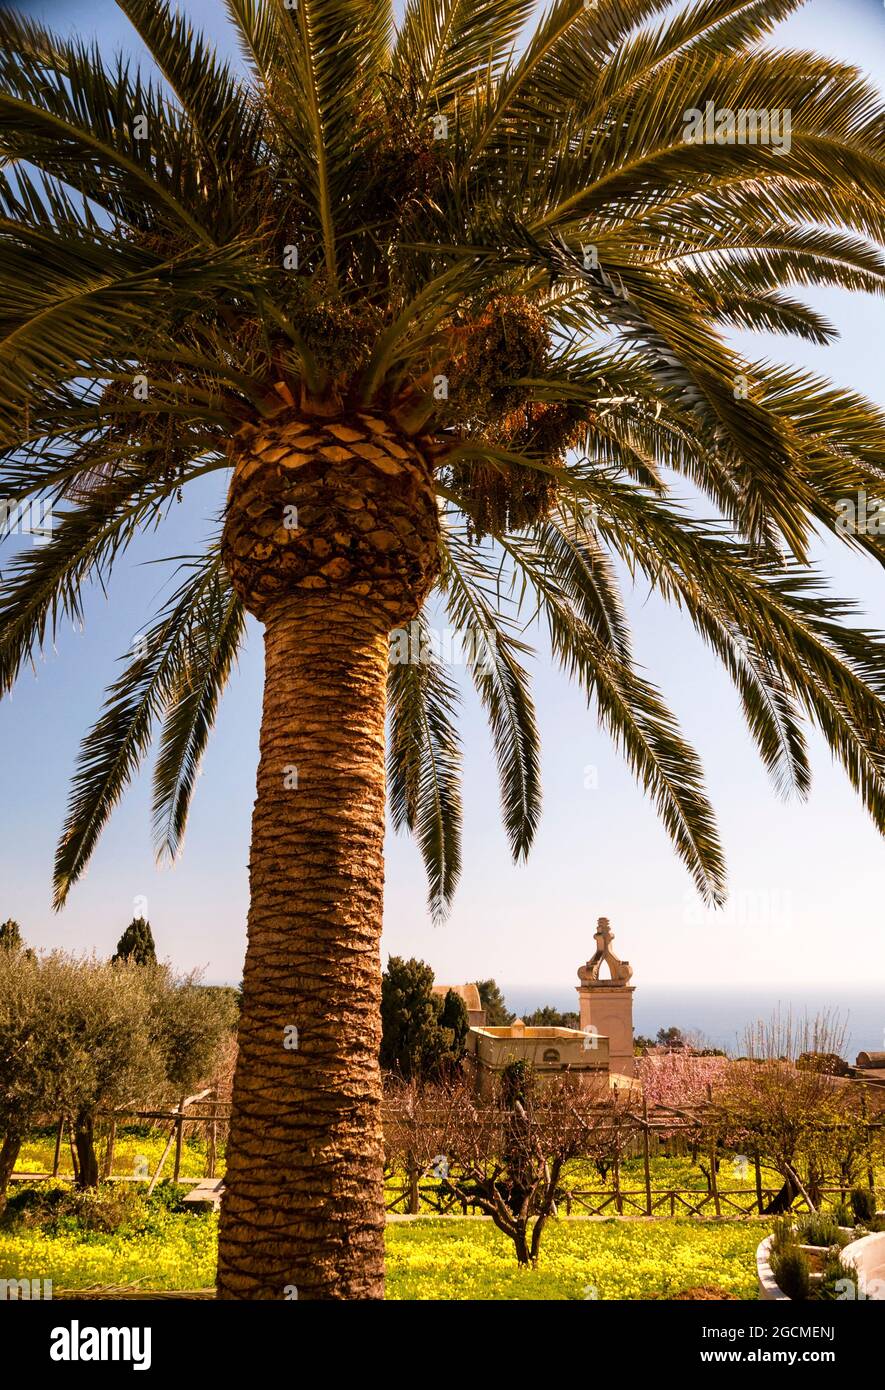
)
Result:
{"points": [[722, 1016]]}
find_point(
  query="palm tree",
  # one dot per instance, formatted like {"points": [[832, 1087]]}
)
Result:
{"points": [[443, 306]]}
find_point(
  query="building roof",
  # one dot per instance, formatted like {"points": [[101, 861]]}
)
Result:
{"points": [[869, 1060], [519, 1030], [469, 993]]}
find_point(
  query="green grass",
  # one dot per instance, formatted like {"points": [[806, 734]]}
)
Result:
{"points": [[163, 1249]]}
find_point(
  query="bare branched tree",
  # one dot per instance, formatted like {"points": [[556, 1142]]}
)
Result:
{"points": [[796, 1115], [502, 1156]]}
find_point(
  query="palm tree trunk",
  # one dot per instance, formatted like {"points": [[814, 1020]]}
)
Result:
{"points": [[330, 539], [303, 1211]]}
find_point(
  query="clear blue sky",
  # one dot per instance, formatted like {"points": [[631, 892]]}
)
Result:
{"points": [[805, 878]]}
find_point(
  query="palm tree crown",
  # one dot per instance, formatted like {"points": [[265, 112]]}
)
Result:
{"points": [[504, 248]]}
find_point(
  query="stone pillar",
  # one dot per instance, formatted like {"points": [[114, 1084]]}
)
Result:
{"points": [[606, 1006]]}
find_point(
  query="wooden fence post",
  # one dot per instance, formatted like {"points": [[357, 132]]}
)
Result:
{"points": [[616, 1171], [179, 1125], [871, 1176], [109, 1150], [59, 1135], [758, 1167], [714, 1182], [213, 1142], [414, 1203], [646, 1158]]}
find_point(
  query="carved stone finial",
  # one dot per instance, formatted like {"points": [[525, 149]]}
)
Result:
{"points": [[620, 969]]}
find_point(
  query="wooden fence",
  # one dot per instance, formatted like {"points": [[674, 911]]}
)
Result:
{"points": [[689, 1129], [191, 1110], [694, 1129]]}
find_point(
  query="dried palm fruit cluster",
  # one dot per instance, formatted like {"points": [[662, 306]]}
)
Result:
{"points": [[339, 335], [492, 355], [506, 347], [405, 164]]}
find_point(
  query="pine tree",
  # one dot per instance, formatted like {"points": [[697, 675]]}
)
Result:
{"points": [[136, 944], [497, 1013], [10, 935]]}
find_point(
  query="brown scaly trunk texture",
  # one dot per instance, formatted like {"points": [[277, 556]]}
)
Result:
{"points": [[9, 1151], [303, 1212]]}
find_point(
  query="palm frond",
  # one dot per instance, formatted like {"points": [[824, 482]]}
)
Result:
{"points": [[112, 751], [216, 630], [635, 716], [219, 108], [445, 47], [424, 762], [47, 582], [502, 685]]}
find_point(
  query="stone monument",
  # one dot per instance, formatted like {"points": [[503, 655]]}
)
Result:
{"points": [[606, 1006]]}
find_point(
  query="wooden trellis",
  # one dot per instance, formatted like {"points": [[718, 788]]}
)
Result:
{"points": [[701, 1123]]}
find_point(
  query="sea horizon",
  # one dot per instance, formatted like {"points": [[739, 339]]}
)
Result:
{"points": [[722, 1014]]}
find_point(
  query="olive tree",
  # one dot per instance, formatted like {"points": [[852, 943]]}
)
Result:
{"points": [[22, 1040], [103, 1045], [79, 1035], [190, 1022]]}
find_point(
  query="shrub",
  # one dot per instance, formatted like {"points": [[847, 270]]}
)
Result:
{"points": [[136, 944], [106, 1208], [863, 1204], [819, 1228], [21, 1206], [829, 1063], [422, 1036], [783, 1234], [550, 1017], [839, 1283], [62, 1209], [843, 1215], [792, 1271], [10, 935], [169, 1195], [492, 1000]]}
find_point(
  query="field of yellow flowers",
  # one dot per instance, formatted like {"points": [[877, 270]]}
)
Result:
{"points": [[133, 1151], [159, 1247], [469, 1259], [112, 1236]]}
